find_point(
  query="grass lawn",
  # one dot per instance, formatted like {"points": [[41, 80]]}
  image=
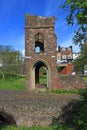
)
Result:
{"points": [[59, 127], [85, 79], [43, 80], [12, 83]]}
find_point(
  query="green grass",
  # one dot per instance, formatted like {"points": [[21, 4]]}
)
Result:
{"points": [[12, 83], [85, 79], [43, 80], [59, 127], [74, 91]]}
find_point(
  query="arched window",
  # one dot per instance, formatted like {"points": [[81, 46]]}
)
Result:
{"points": [[39, 43]]}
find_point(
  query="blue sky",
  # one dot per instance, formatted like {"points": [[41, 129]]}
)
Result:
{"points": [[12, 21]]}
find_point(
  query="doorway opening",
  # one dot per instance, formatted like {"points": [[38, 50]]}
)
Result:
{"points": [[40, 76]]}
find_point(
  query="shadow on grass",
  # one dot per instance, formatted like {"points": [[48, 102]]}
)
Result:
{"points": [[6, 119], [74, 114]]}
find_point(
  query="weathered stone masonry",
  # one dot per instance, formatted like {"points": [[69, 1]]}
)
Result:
{"points": [[40, 31]]}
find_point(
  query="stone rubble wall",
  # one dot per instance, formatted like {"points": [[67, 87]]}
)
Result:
{"points": [[28, 109], [72, 82]]}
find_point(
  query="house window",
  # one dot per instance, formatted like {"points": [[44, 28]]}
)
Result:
{"points": [[63, 56], [70, 56], [63, 49]]}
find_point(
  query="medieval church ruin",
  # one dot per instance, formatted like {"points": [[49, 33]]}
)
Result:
{"points": [[40, 51]]}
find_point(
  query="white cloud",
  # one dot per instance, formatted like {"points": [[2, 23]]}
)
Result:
{"points": [[23, 52], [59, 24]]}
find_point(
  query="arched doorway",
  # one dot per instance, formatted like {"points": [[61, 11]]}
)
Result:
{"points": [[40, 75]]}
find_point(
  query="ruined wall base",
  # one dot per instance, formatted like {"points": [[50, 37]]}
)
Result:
{"points": [[72, 82]]}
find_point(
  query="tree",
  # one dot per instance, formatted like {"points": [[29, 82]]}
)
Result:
{"points": [[77, 15], [11, 61], [81, 61]]}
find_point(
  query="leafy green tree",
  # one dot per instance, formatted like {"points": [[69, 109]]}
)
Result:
{"points": [[11, 61], [81, 61], [77, 14]]}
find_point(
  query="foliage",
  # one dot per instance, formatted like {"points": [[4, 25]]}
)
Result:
{"points": [[77, 14], [58, 68], [43, 80], [77, 112], [79, 65], [59, 127], [11, 61], [81, 61], [81, 119], [85, 79], [74, 91]]}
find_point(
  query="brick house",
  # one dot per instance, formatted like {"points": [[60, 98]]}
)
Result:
{"points": [[64, 60]]}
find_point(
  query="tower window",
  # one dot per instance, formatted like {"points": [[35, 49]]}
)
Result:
{"points": [[39, 43], [37, 49]]}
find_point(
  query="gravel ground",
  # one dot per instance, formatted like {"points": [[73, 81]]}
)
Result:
{"points": [[35, 107], [21, 98]]}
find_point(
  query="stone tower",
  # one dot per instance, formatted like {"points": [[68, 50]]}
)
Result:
{"points": [[40, 50]]}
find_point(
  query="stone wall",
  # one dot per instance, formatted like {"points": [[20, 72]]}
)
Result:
{"points": [[45, 26], [39, 22], [72, 82], [28, 109]]}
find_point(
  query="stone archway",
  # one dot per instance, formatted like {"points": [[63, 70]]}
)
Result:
{"points": [[35, 75], [40, 50]]}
